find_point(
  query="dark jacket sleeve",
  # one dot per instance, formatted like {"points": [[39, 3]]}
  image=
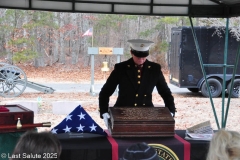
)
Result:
{"points": [[165, 93], [107, 90]]}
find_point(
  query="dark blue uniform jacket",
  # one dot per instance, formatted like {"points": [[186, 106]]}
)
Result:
{"points": [[135, 89]]}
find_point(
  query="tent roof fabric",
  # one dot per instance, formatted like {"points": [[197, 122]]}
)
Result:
{"points": [[193, 8]]}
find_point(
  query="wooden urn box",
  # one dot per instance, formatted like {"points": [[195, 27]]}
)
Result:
{"points": [[141, 122], [9, 118]]}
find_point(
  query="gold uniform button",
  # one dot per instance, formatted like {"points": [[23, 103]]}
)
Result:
{"points": [[144, 104], [135, 104], [138, 71], [138, 82], [136, 95], [139, 76]]}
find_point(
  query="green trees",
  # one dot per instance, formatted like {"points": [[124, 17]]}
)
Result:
{"points": [[44, 38], [22, 34]]}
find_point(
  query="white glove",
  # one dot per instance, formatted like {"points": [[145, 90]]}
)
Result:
{"points": [[172, 114], [106, 116]]}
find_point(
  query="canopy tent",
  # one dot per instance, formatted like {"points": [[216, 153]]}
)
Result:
{"points": [[191, 8]]}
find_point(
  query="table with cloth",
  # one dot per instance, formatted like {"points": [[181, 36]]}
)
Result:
{"points": [[94, 147]]}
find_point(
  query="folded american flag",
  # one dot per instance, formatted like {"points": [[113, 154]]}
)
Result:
{"points": [[78, 121]]}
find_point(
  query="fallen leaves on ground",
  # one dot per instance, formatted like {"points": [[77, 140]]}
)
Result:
{"points": [[192, 108]]}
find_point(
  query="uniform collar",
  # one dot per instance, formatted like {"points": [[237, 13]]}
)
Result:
{"points": [[132, 64]]}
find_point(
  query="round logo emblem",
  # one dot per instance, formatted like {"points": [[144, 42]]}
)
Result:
{"points": [[164, 153]]}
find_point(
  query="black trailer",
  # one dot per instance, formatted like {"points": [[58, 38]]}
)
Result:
{"points": [[184, 64]]}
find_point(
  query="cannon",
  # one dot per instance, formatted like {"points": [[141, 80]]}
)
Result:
{"points": [[13, 82]]}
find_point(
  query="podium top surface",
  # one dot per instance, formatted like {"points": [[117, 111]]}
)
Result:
{"points": [[16, 108], [140, 114]]}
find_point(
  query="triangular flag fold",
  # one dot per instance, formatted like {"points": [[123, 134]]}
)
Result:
{"points": [[78, 121]]}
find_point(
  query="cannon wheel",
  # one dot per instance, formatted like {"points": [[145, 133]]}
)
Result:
{"points": [[13, 81]]}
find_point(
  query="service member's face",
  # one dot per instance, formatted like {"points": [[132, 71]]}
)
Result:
{"points": [[138, 60]]}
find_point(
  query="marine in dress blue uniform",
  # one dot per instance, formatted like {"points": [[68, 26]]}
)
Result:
{"points": [[136, 79]]}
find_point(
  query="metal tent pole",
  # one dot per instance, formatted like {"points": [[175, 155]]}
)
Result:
{"points": [[203, 71], [232, 83], [224, 71]]}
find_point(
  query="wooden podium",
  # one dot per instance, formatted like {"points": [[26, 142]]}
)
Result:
{"points": [[141, 122]]}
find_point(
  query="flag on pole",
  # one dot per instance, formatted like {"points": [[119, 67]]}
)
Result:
{"points": [[78, 121], [89, 32]]}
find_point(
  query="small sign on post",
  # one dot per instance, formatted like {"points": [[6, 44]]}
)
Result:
{"points": [[105, 50]]}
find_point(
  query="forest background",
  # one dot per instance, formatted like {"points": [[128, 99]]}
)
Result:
{"points": [[44, 44], [42, 38]]}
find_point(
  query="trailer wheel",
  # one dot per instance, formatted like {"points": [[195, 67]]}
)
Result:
{"points": [[194, 90], [236, 88], [215, 88]]}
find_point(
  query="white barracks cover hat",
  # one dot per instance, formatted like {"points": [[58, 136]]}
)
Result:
{"points": [[140, 44]]}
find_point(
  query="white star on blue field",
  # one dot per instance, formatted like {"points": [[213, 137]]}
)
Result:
{"points": [[78, 121]]}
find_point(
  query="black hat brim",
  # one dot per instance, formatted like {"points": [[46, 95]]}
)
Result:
{"points": [[140, 54]]}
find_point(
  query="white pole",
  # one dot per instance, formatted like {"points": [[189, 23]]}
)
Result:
{"points": [[92, 36]]}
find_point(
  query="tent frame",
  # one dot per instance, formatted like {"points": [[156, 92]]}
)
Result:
{"points": [[225, 66]]}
